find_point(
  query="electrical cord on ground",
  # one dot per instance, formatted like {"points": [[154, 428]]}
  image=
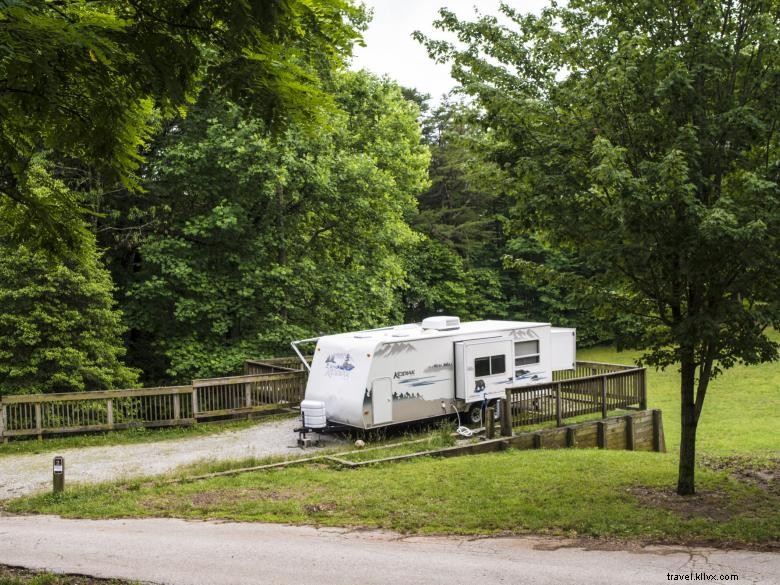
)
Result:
{"points": [[463, 431]]}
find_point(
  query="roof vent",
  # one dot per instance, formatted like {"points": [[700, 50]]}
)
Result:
{"points": [[441, 323]]}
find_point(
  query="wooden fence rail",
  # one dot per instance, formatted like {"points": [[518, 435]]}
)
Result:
{"points": [[274, 365], [76, 412], [240, 394], [590, 388]]}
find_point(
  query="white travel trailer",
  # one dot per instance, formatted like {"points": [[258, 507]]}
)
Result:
{"points": [[379, 377]]}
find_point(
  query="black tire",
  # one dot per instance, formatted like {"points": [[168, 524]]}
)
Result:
{"points": [[474, 414]]}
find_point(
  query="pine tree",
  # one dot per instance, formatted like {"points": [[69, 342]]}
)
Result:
{"points": [[59, 330]]}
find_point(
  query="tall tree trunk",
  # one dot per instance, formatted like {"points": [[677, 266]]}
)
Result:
{"points": [[282, 251], [689, 420]]}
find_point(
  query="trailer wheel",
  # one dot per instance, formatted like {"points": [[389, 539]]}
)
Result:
{"points": [[474, 414]]}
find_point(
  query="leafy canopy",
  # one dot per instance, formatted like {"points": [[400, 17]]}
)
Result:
{"points": [[79, 81], [257, 237]]}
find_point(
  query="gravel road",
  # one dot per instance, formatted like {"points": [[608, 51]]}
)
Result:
{"points": [[229, 553], [25, 474]]}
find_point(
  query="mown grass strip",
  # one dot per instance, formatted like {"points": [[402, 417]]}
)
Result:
{"points": [[18, 576], [589, 492]]}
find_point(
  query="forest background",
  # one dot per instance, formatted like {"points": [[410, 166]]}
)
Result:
{"points": [[188, 224]]}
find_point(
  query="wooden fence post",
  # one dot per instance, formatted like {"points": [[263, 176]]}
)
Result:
{"points": [[643, 390], [176, 406], [248, 394], [110, 412], [194, 401], [506, 415], [558, 414], [571, 437], [603, 383], [659, 444], [630, 438], [38, 421], [490, 423], [601, 427], [3, 418]]}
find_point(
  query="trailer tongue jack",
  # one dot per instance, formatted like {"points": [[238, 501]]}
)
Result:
{"points": [[303, 440]]}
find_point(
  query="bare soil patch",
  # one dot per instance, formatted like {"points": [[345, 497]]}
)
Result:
{"points": [[717, 505], [763, 473], [713, 505], [217, 497], [321, 507]]}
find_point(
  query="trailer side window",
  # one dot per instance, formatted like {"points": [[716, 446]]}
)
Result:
{"points": [[526, 352], [488, 366], [482, 366]]}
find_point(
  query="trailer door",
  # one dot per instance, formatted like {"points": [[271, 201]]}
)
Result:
{"points": [[382, 400], [483, 368]]}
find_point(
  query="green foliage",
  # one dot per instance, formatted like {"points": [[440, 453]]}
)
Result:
{"points": [[59, 331], [259, 237], [435, 281], [553, 285], [468, 196], [455, 269], [79, 81]]}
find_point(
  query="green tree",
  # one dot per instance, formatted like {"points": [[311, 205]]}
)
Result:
{"points": [[80, 80], [643, 140], [456, 268], [257, 237], [59, 330], [459, 267], [435, 281]]}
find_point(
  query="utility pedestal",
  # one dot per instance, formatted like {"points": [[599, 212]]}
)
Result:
{"points": [[58, 474]]}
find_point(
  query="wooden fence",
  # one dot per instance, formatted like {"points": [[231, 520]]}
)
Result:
{"points": [[591, 387], [240, 394], [76, 412]]}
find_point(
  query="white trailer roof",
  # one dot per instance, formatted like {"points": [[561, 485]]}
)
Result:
{"points": [[415, 331]]}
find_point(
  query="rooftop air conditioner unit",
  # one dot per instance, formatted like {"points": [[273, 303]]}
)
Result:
{"points": [[442, 323]]}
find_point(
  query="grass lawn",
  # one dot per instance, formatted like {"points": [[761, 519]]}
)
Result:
{"points": [[741, 413], [582, 492], [614, 494]]}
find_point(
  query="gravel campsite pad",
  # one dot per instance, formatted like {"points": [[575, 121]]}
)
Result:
{"points": [[25, 474]]}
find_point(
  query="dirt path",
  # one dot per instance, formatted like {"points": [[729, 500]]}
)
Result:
{"points": [[191, 553], [24, 474]]}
